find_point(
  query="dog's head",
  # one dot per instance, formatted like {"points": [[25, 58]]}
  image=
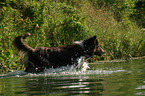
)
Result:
{"points": [[91, 47]]}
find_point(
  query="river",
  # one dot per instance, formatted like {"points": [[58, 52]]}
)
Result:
{"points": [[116, 78]]}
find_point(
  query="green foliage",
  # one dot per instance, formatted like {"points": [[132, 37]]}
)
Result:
{"points": [[54, 23], [121, 9], [73, 29], [9, 61], [138, 15], [50, 23]]}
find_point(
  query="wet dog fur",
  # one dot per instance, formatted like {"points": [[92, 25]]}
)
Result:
{"points": [[37, 60]]}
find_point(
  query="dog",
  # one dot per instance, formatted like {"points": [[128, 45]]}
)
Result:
{"points": [[37, 60]]}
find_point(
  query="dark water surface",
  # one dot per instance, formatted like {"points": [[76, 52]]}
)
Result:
{"points": [[125, 78]]}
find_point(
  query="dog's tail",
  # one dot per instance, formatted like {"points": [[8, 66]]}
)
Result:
{"points": [[20, 45]]}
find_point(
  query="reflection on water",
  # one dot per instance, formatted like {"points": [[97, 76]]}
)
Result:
{"points": [[63, 85], [106, 78], [52, 86]]}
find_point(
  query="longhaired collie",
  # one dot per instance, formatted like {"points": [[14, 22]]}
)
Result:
{"points": [[37, 60]]}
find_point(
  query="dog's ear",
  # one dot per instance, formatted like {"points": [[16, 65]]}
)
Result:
{"points": [[90, 41], [95, 37], [95, 40]]}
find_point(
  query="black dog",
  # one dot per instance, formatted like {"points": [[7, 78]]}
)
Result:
{"points": [[37, 60]]}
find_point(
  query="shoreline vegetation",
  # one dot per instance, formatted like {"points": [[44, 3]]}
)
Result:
{"points": [[119, 26], [117, 60]]}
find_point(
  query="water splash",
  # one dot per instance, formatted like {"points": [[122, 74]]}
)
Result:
{"points": [[69, 70]]}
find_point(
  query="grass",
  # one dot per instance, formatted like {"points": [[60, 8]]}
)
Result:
{"points": [[122, 39], [62, 23]]}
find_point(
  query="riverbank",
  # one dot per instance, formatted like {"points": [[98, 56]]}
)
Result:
{"points": [[118, 60], [56, 23]]}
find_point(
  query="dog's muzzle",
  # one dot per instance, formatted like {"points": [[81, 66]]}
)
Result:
{"points": [[99, 51]]}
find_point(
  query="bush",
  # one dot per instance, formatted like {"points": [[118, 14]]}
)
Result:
{"points": [[138, 15], [50, 23]]}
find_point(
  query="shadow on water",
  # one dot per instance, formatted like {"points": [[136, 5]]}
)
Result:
{"points": [[103, 78]]}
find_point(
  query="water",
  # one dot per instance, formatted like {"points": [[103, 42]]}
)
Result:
{"points": [[119, 78]]}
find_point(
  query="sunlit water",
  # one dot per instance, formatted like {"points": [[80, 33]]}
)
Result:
{"points": [[119, 78]]}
